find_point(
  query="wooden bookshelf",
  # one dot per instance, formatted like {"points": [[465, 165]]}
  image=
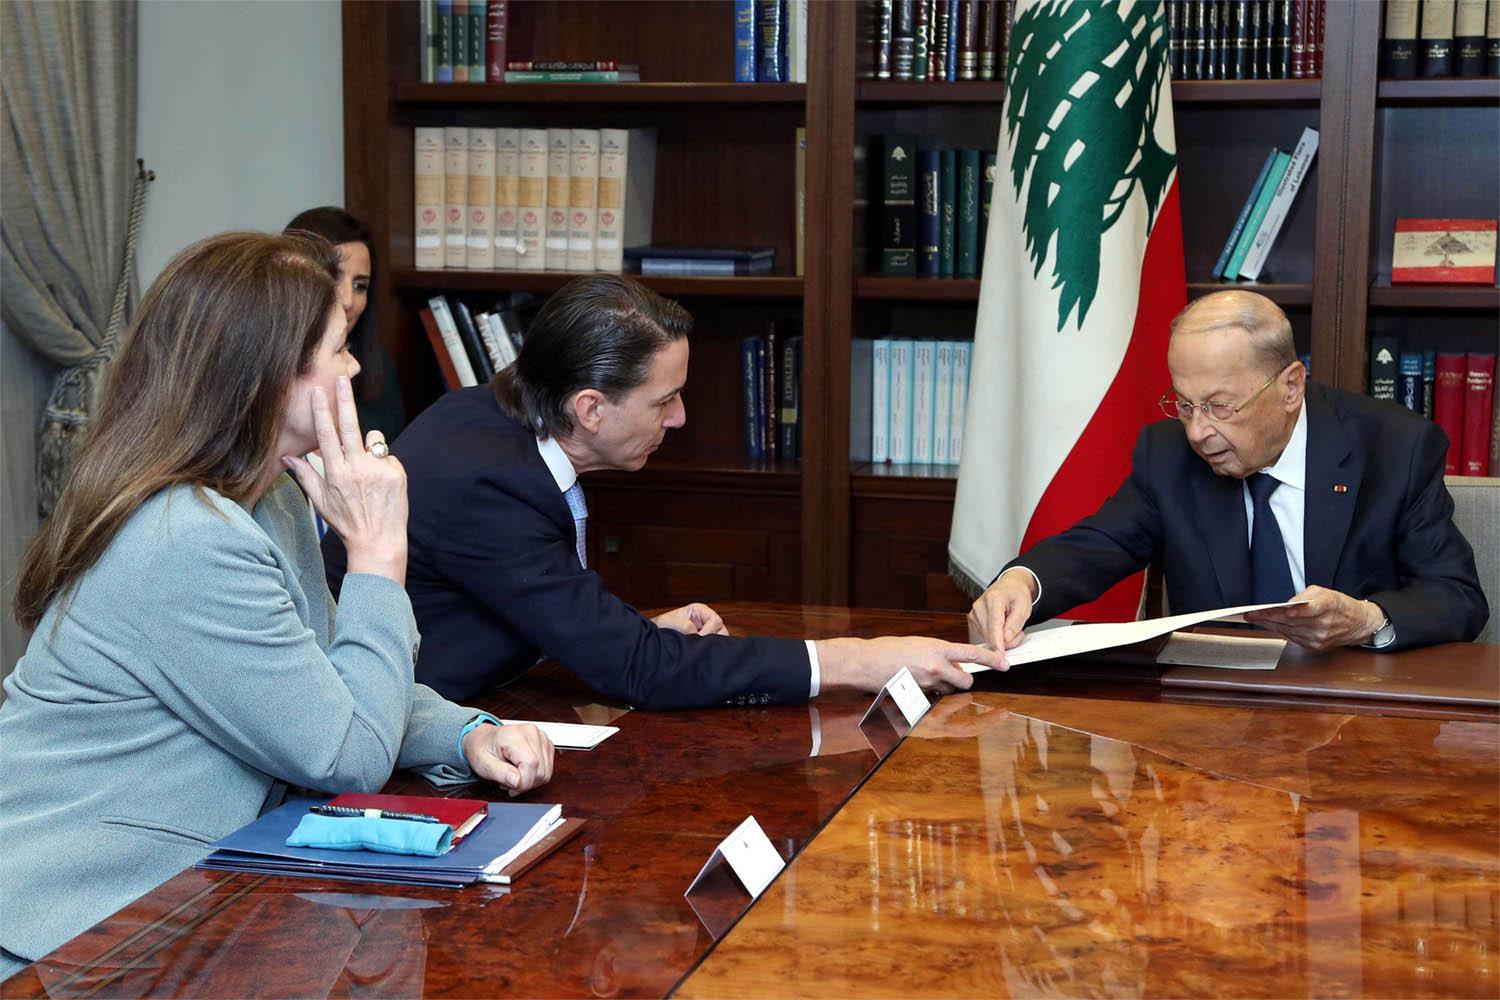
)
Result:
{"points": [[831, 530]]}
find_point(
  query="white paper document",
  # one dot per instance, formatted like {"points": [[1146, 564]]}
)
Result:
{"points": [[570, 735], [1049, 644], [1227, 652]]}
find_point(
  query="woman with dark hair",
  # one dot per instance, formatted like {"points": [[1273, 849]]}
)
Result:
{"points": [[378, 394], [187, 663]]}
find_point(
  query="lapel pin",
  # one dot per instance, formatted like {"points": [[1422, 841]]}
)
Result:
{"points": [[1340, 488]]}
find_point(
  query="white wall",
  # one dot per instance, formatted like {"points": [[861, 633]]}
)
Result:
{"points": [[241, 117]]}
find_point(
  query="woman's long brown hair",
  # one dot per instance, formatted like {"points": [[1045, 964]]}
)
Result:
{"points": [[196, 395]]}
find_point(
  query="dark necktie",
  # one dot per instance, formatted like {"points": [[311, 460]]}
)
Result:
{"points": [[1270, 575]]}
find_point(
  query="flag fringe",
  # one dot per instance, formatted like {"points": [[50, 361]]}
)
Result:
{"points": [[971, 587]]}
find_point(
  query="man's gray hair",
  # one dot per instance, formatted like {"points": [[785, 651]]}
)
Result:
{"points": [[1269, 330]]}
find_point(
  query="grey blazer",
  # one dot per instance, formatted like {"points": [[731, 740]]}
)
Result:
{"points": [[196, 671]]}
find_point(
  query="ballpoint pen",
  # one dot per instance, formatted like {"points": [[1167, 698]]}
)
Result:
{"points": [[353, 813]]}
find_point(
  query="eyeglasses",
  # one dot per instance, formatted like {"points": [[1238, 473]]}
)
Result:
{"points": [[1220, 412]]}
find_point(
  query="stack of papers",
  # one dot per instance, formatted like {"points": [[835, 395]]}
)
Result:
{"points": [[510, 829]]}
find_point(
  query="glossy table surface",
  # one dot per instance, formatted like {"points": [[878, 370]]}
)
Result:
{"points": [[964, 826], [1038, 846]]}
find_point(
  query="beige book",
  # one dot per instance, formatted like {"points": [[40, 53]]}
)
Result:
{"points": [[481, 200], [531, 195], [507, 195], [427, 193], [559, 194], [455, 195], [627, 185], [583, 174]]}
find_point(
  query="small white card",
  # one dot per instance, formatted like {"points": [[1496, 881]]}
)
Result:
{"points": [[570, 735], [751, 856], [904, 690]]}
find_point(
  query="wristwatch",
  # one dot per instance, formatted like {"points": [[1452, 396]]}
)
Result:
{"points": [[1385, 634]]}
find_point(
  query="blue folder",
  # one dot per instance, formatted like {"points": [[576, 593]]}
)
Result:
{"points": [[260, 847]]}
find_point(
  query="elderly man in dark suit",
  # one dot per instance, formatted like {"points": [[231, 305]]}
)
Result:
{"points": [[1263, 489], [497, 568]]}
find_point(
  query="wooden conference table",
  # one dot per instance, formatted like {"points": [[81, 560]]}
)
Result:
{"points": [[1079, 830]]}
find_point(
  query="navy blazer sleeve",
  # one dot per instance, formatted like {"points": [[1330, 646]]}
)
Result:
{"points": [[515, 560], [1078, 565], [1437, 596]]}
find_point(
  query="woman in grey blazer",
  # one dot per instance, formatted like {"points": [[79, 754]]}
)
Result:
{"points": [[187, 663]]}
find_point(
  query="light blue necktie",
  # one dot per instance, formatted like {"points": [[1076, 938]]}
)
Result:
{"points": [[574, 496]]}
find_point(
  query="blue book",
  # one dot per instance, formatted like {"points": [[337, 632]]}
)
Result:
{"points": [[445, 41], [750, 394], [744, 41], [1257, 215], [947, 211], [1239, 223], [950, 71], [929, 219], [770, 41], [260, 847], [1409, 380], [1429, 381]]}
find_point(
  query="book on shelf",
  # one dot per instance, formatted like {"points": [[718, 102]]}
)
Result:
{"points": [[480, 200], [565, 65], [700, 260], [898, 206], [1257, 215], [1281, 203], [559, 188], [770, 41], [1479, 401], [462, 41], [790, 382], [796, 41], [799, 167], [1245, 39], [459, 12], [966, 263], [1383, 354], [1409, 380], [929, 229], [771, 393], [1240, 221], [627, 186], [1468, 38], [1444, 251], [1448, 405], [908, 400], [479, 356], [1436, 34], [932, 211], [507, 197], [947, 211], [453, 345], [497, 28], [934, 40], [625, 74], [455, 195], [1398, 47], [427, 194], [744, 41], [1429, 381], [583, 209], [531, 201], [439, 349]]}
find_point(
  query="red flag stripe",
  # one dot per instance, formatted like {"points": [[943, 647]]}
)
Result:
{"points": [[1100, 459]]}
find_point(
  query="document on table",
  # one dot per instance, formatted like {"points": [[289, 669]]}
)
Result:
{"points": [[570, 735], [1227, 652], [1050, 644]]}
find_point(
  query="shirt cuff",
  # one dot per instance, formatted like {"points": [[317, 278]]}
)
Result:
{"points": [[812, 660], [473, 724], [1038, 581]]}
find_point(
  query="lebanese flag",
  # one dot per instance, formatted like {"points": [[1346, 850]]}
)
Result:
{"points": [[1083, 272]]}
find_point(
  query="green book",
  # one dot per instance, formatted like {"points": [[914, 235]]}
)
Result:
{"points": [[460, 41], [476, 41], [1257, 216], [968, 213], [947, 211], [986, 195], [898, 205]]}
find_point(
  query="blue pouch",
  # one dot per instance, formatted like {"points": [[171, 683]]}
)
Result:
{"points": [[359, 833]]}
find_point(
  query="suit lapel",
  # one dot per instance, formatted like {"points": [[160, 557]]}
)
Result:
{"points": [[1220, 511], [1331, 462]]}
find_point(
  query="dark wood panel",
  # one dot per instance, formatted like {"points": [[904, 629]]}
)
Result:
{"points": [[1191, 92], [752, 287], [502, 94], [669, 41], [870, 92], [1465, 297], [869, 286], [900, 553], [1484, 91]]}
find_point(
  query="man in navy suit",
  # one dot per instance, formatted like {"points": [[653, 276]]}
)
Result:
{"points": [[497, 567], [1263, 489]]}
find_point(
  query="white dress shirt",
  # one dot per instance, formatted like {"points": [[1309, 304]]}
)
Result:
{"points": [[565, 476]]}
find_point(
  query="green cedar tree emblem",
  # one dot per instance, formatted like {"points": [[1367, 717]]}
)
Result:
{"points": [[1082, 82]]}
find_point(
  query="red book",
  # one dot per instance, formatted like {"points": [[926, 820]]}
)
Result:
{"points": [[494, 52], [1300, 53], [1448, 406], [440, 350], [1479, 397], [1315, 39], [461, 814]]}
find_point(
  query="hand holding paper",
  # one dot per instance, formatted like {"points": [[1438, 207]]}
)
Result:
{"points": [[1321, 619]]}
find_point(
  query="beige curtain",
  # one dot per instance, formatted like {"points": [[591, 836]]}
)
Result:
{"points": [[68, 175], [69, 178]]}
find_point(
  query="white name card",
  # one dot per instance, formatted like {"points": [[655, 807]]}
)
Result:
{"points": [[751, 856], [904, 690]]}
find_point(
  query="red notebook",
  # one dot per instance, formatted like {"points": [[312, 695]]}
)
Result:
{"points": [[461, 814]]}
